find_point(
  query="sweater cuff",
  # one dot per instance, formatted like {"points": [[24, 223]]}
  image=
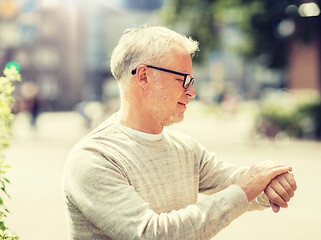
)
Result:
{"points": [[238, 199], [226, 205], [232, 201]]}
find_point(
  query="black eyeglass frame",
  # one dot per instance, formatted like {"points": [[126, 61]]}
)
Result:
{"points": [[191, 81]]}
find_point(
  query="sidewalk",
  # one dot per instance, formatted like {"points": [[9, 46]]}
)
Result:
{"points": [[37, 210]]}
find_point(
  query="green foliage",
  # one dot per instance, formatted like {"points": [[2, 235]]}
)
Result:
{"points": [[6, 117], [298, 117], [198, 18], [205, 18], [7, 236], [259, 21]]}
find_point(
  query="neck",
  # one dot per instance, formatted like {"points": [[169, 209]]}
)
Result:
{"points": [[133, 115]]}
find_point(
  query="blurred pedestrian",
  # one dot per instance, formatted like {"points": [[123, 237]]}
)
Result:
{"points": [[132, 179], [31, 101]]}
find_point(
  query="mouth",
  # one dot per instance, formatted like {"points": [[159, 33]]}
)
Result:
{"points": [[182, 104]]}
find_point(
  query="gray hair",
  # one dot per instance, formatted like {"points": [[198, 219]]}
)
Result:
{"points": [[145, 45]]}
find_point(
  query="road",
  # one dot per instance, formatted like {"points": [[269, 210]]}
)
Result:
{"points": [[37, 159]]}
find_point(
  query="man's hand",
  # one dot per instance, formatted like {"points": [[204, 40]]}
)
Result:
{"points": [[280, 190], [259, 176]]}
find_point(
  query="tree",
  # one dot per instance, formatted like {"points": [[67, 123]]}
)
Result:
{"points": [[267, 25]]}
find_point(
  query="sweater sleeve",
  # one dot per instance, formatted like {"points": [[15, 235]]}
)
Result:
{"points": [[216, 175], [103, 194]]}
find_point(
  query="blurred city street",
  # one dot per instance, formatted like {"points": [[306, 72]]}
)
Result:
{"points": [[262, 53], [37, 159]]}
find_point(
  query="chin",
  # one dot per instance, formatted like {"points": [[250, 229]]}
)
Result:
{"points": [[175, 118]]}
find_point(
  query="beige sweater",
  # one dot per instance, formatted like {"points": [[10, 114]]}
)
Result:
{"points": [[118, 185]]}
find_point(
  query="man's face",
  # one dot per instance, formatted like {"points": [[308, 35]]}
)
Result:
{"points": [[168, 97]]}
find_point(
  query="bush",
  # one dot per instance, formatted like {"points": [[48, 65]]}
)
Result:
{"points": [[309, 118], [6, 118], [297, 116]]}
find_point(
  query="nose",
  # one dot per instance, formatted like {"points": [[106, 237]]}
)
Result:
{"points": [[190, 91]]}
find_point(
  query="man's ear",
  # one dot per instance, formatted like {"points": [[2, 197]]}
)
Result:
{"points": [[142, 74]]}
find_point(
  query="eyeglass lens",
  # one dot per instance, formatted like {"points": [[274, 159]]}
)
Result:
{"points": [[188, 81]]}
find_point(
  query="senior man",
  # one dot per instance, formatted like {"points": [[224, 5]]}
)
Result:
{"points": [[132, 179]]}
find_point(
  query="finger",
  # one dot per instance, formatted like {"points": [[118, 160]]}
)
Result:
{"points": [[274, 197], [275, 207], [276, 165], [290, 179], [282, 179], [280, 190], [278, 170]]}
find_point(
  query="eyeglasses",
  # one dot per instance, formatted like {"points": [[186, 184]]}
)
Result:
{"points": [[188, 79]]}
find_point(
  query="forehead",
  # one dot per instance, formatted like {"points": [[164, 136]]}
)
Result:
{"points": [[179, 59]]}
